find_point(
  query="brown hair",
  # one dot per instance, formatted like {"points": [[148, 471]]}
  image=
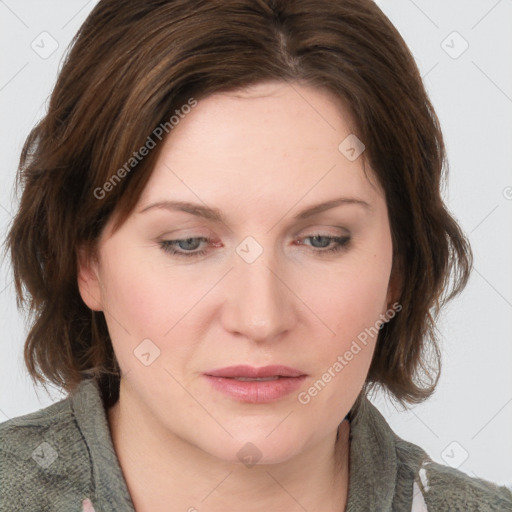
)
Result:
{"points": [[131, 66]]}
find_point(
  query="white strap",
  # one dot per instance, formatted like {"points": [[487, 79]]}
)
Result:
{"points": [[87, 505], [418, 502]]}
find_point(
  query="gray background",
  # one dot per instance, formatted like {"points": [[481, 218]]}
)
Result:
{"points": [[468, 422]]}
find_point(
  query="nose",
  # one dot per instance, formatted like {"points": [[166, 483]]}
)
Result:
{"points": [[259, 305]]}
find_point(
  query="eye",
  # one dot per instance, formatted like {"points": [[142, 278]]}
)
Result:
{"points": [[323, 242], [185, 247], [188, 247]]}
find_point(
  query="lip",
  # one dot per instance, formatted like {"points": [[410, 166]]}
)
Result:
{"points": [[288, 381], [253, 372]]}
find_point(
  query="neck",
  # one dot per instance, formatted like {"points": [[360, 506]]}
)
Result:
{"points": [[163, 470]]}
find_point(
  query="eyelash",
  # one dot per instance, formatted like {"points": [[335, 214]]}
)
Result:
{"points": [[168, 245]]}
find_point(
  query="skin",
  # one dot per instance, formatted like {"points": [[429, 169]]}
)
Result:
{"points": [[260, 156]]}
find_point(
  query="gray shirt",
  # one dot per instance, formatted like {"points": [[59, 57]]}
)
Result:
{"points": [[62, 459]]}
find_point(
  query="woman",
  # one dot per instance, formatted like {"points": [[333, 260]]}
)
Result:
{"points": [[230, 231]]}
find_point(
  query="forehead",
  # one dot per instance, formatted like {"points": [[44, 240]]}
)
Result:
{"points": [[279, 116], [269, 135], [265, 123]]}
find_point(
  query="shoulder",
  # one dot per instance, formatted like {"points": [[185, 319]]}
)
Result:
{"points": [[444, 486], [403, 474], [43, 460], [441, 487]]}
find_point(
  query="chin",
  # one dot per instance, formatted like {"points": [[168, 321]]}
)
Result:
{"points": [[256, 449]]}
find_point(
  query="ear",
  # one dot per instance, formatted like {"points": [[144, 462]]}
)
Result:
{"points": [[88, 279]]}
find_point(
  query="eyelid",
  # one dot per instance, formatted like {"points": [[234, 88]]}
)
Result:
{"points": [[314, 228], [173, 236]]}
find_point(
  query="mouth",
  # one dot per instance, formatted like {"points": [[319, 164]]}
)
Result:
{"points": [[244, 372], [261, 379], [256, 385]]}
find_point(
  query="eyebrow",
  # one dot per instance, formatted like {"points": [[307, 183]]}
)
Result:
{"points": [[215, 214]]}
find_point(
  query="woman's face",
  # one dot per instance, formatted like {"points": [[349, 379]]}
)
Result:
{"points": [[264, 275]]}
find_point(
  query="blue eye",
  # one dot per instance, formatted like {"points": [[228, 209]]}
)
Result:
{"points": [[340, 242], [187, 247]]}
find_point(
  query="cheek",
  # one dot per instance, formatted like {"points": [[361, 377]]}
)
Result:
{"points": [[147, 298], [351, 302], [139, 301], [350, 296]]}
